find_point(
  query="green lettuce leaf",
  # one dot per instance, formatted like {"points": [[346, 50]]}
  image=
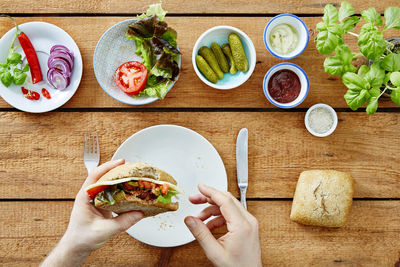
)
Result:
{"points": [[156, 10], [166, 199], [159, 89]]}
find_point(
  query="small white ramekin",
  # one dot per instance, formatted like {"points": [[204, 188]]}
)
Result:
{"points": [[305, 85], [334, 115], [297, 24]]}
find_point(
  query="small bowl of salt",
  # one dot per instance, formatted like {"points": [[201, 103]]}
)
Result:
{"points": [[321, 120]]}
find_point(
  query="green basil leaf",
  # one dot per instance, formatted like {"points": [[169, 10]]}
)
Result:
{"points": [[387, 78], [326, 42], [395, 96], [14, 58], [391, 62], [395, 78], [371, 15], [345, 10], [2, 69], [321, 26], [336, 29], [6, 78], [350, 23], [372, 105], [375, 75], [371, 41], [26, 68], [354, 82], [392, 18], [355, 99], [330, 14], [19, 78], [362, 71], [344, 52], [333, 65]]}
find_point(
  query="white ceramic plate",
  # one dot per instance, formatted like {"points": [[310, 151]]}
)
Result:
{"points": [[43, 36], [191, 160], [112, 50]]}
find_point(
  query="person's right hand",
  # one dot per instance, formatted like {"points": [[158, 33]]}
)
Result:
{"points": [[241, 245]]}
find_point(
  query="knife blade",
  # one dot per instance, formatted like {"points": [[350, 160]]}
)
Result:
{"points": [[242, 164]]}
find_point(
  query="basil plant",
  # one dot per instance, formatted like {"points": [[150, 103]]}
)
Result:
{"points": [[368, 83]]}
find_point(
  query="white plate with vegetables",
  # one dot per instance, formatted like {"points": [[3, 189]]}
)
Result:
{"points": [[191, 160], [27, 93], [137, 61]]}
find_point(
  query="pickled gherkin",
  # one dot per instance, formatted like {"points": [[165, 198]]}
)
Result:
{"points": [[209, 56], [221, 59], [227, 51], [206, 70], [238, 52]]}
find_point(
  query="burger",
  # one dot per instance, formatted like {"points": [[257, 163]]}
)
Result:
{"points": [[135, 186]]}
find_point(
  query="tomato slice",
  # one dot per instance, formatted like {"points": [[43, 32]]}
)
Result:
{"points": [[92, 192], [131, 77], [164, 189]]}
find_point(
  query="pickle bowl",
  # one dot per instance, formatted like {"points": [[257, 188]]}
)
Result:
{"points": [[219, 35], [297, 25], [303, 80]]}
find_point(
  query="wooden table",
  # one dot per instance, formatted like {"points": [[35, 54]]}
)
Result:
{"points": [[41, 166]]}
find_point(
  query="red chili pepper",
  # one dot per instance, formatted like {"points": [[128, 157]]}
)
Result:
{"points": [[31, 95], [30, 53], [31, 56], [24, 90], [46, 93]]}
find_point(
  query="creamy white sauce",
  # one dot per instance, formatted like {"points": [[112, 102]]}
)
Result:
{"points": [[284, 39]]}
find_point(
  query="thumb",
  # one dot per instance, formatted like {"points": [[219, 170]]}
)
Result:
{"points": [[203, 235], [125, 220]]}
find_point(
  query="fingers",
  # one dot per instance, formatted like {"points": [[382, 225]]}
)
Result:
{"points": [[125, 220], [100, 171], [200, 199], [226, 202], [208, 212], [203, 235], [216, 222]]}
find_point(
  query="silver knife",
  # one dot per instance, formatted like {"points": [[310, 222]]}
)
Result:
{"points": [[242, 164]]}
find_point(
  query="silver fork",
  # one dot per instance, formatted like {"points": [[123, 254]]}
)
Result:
{"points": [[91, 152]]}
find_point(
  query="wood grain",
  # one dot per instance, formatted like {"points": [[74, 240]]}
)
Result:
{"points": [[183, 7], [29, 230], [42, 154], [189, 91]]}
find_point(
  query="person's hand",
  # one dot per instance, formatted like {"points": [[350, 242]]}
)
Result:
{"points": [[89, 228], [241, 245], [92, 227]]}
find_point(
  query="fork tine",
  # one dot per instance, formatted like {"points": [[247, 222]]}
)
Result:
{"points": [[94, 144], [97, 143]]}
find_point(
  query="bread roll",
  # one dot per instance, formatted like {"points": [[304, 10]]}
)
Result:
{"points": [[322, 198]]}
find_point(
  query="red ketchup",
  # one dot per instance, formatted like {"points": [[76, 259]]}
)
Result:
{"points": [[284, 86]]}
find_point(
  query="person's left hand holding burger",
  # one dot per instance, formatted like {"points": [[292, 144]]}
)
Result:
{"points": [[89, 228]]}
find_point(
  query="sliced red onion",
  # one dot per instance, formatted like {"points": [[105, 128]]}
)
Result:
{"points": [[61, 48], [57, 79], [61, 64], [63, 55]]}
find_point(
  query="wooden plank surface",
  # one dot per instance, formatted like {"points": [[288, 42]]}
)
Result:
{"points": [[28, 231], [42, 154], [183, 7], [189, 91]]}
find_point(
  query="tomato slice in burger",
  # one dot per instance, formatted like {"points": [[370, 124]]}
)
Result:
{"points": [[131, 77], [92, 192]]}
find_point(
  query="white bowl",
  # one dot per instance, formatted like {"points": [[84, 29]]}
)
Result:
{"points": [[297, 24], [112, 50], [219, 34], [305, 85], [334, 116]]}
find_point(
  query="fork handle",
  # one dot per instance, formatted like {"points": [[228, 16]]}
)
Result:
{"points": [[243, 197]]}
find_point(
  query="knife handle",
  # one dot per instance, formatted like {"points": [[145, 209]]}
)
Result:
{"points": [[243, 197]]}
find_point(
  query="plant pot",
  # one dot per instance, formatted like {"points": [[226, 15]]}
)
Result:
{"points": [[395, 49]]}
